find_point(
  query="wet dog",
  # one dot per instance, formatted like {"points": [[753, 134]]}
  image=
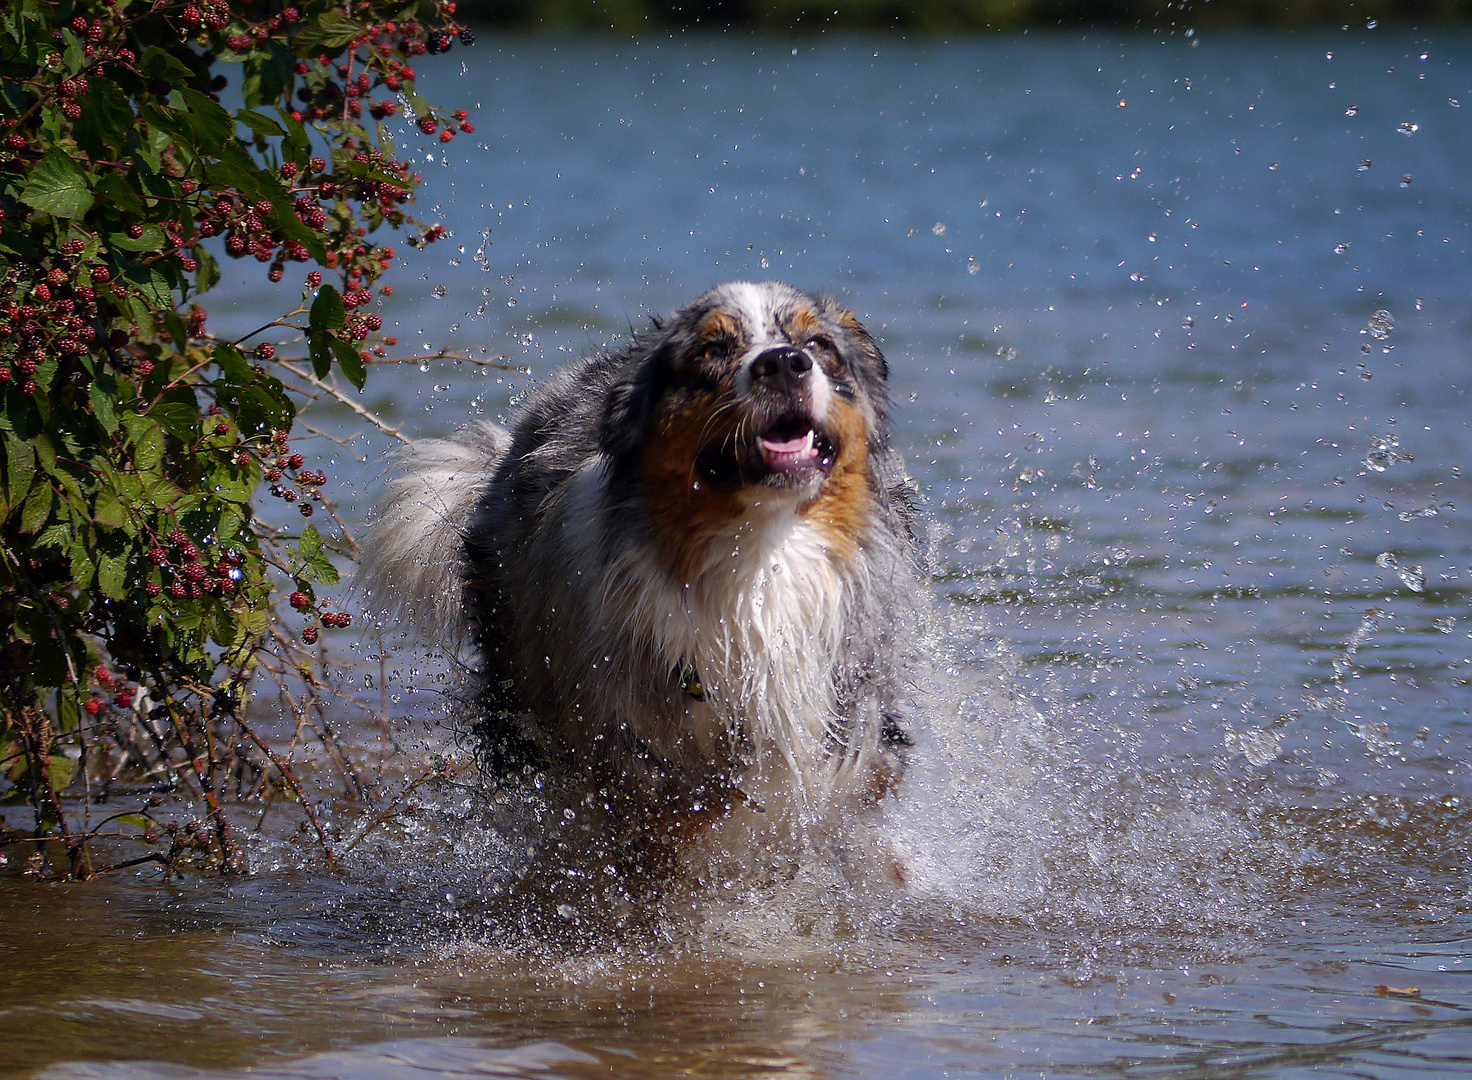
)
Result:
{"points": [[688, 563]]}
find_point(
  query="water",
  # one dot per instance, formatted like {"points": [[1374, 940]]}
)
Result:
{"points": [[1186, 382]]}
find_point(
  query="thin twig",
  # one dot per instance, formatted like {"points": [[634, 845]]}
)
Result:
{"points": [[327, 388]]}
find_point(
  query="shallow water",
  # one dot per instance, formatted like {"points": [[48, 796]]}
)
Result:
{"points": [[1200, 775]]}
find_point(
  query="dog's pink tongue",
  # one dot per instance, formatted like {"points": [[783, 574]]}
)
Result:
{"points": [[789, 453]]}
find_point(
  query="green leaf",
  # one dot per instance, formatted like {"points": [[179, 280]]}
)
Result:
{"points": [[45, 453], [107, 114], [57, 186], [208, 274], [331, 30], [261, 124], [211, 121], [152, 283], [351, 362], [114, 189], [309, 547], [59, 770], [108, 510], [37, 508], [232, 365], [160, 66], [321, 353], [179, 418], [148, 444], [20, 469], [268, 74], [328, 311], [151, 240], [102, 407], [112, 575]]}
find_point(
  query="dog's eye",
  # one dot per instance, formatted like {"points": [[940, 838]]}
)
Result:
{"points": [[824, 342], [714, 349]]}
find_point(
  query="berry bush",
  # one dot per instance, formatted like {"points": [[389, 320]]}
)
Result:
{"points": [[140, 142]]}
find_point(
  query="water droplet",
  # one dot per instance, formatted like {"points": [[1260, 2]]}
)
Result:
{"points": [[1364, 165], [1372, 24], [1405, 181], [438, 292], [1340, 249], [1259, 746], [1353, 110], [939, 228], [1381, 324], [1408, 129], [972, 266]]}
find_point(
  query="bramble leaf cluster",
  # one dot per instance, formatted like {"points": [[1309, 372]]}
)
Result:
{"points": [[141, 142]]}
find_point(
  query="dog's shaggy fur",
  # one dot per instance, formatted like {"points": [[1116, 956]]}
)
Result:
{"points": [[689, 565]]}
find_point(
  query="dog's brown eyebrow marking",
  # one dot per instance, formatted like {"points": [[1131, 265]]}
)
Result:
{"points": [[718, 324], [848, 320], [800, 324]]}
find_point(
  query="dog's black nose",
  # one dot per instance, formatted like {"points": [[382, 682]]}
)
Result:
{"points": [[783, 365]]}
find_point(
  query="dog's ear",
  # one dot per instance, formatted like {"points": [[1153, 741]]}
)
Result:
{"points": [[864, 348], [633, 394]]}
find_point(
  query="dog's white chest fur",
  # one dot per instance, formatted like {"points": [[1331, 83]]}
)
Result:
{"points": [[760, 625]]}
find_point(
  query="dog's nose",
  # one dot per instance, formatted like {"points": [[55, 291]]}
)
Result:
{"points": [[783, 365]]}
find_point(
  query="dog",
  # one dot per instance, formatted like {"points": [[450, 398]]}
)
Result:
{"points": [[689, 564]]}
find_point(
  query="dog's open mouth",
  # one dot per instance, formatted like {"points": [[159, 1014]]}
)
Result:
{"points": [[792, 450], [788, 453]]}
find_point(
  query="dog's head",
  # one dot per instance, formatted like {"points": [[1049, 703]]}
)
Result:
{"points": [[757, 398]]}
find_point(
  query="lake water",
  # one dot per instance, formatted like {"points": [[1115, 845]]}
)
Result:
{"points": [[1180, 334]]}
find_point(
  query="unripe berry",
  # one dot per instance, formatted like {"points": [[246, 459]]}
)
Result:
{"points": [[288, 169], [265, 351], [300, 601], [427, 125], [309, 635], [295, 461], [153, 589]]}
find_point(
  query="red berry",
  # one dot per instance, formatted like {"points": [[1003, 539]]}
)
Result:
{"points": [[300, 601], [265, 351], [288, 169], [446, 135], [306, 509], [153, 589], [309, 635], [427, 125], [123, 700], [72, 111], [314, 278], [93, 706], [178, 538], [295, 461]]}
